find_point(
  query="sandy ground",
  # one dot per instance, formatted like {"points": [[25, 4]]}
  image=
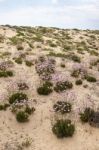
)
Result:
{"points": [[38, 129]]}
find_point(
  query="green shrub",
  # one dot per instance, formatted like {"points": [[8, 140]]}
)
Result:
{"points": [[18, 60], [22, 116], [62, 86], [63, 128], [90, 79], [4, 106], [17, 97], [6, 74], [75, 73], [28, 63], [86, 115], [63, 65], [76, 58], [78, 82], [45, 89], [63, 107]]}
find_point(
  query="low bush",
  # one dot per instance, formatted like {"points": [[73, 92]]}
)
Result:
{"points": [[63, 107], [90, 79], [18, 60], [86, 115], [22, 116], [45, 89], [28, 63], [22, 86], [17, 97], [63, 128], [78, 82], [62, 86], [76, 58], [6, 74], [29, 110], [75, 73], [4, 106]]}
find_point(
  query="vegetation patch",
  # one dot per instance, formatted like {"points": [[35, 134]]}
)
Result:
{"points": [[17, 97], [62, 107], [63, 128], [45, 89], [6, 74], [22, 116], [62, 86]]}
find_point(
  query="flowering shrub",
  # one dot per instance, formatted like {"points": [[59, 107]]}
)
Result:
{"points": [[17, 97], [45, 67], [62, 86], [5, 65], [79, 70], [62, 107], [22, 86], [63, 128]]}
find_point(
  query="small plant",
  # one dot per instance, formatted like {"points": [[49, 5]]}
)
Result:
{"points": [[45, 89], [17, 97], [78, 82], [75, 73], [22, 116], [86, 115], [20, 47], [22, 86], [26, 143], [62, 86], [62, 107], [76, 58], [18, 60], [90, 79], [94, 120], [4, 106], [6, 74], [62, 65], [29, 110], [28, 63], [63, 128]]}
